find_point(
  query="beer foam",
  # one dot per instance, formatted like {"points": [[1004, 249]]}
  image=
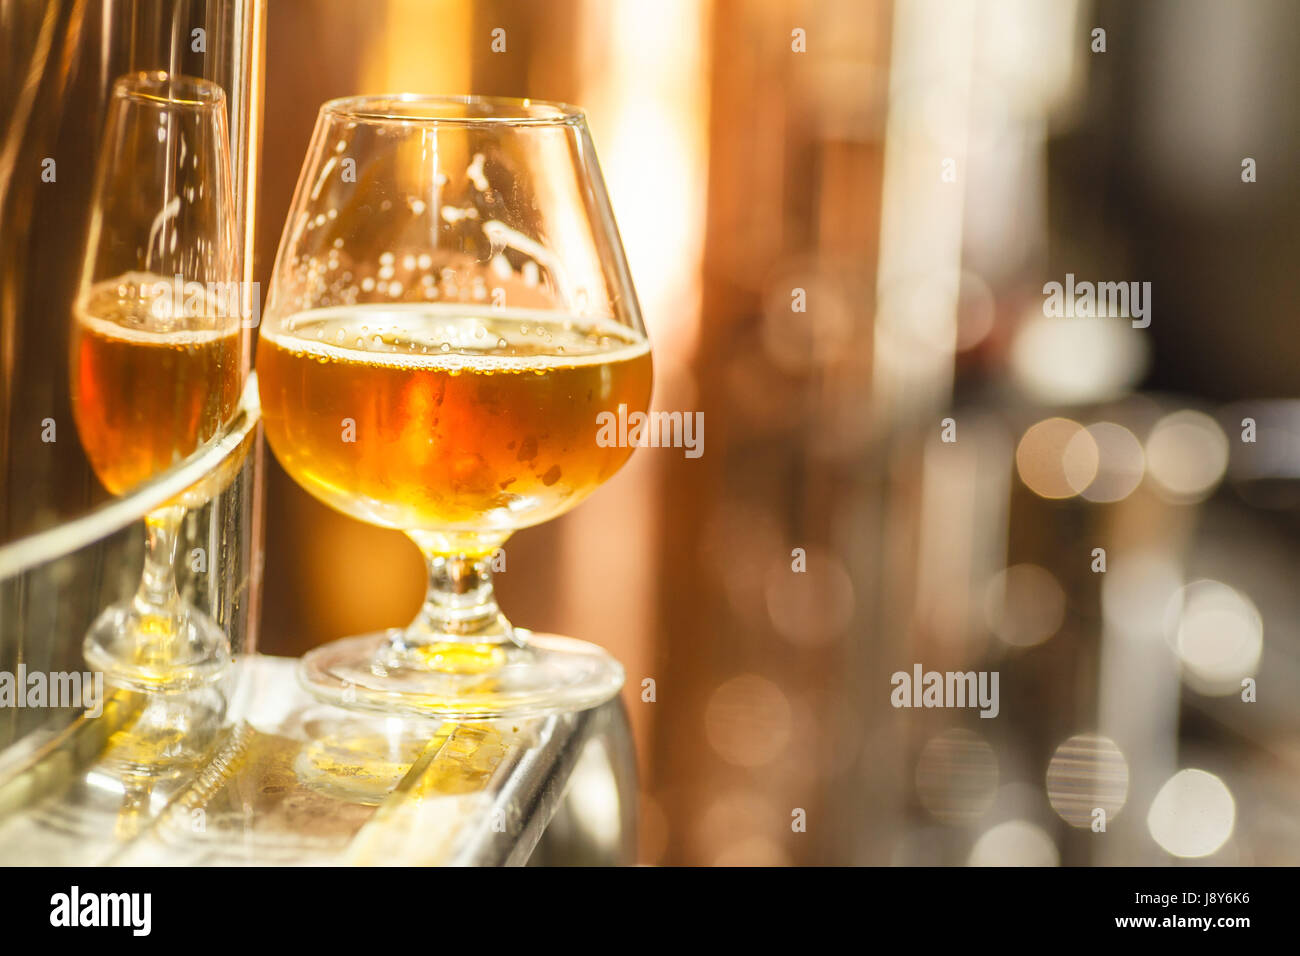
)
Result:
{"points": [[122, 309], [111, 329], [408, 320]]}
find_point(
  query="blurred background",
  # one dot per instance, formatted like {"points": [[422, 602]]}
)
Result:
{"points": [[840, 216], [758, 147]]}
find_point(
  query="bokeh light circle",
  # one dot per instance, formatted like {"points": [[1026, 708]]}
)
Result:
{"points": [[957, 776], [1187, 455], [1218, 635], [1087, 772], [1057, 458], [1121, 462], [1014, 843], [1024, 605], [747, 721], [1192, 815]]}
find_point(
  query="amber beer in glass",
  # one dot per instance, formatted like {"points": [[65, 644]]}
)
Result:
{"points": [[450, 320], [496, 434], [151, 379]]}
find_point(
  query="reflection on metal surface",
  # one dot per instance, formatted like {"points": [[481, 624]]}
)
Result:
{"points": [[360, 763], [45, 763], [290, 781], [171, 734]]}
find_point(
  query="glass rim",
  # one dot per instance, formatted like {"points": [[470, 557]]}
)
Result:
{"points": [[424, 109], [160, 88]]}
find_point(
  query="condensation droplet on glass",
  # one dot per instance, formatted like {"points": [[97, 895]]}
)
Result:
{"points": [[475, 172]]}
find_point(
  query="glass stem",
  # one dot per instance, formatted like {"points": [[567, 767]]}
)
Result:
{"points": [[157, 595], [460, 604]]}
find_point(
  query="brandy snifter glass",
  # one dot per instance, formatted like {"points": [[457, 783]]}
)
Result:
{"points": [[450, 320]]}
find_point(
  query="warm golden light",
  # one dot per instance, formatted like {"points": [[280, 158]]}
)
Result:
{"points": [[1057, 458], [1187, 454], [1024, 605], [1120, 462], [747, 721], [811, 607]]}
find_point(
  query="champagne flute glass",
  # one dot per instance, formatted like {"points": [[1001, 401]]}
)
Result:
{"points": [[156, 358], [449, 331]]}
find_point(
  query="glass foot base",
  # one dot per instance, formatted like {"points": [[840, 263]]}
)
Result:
{"points": [[174, 733], [156, 655], [360, 758], [454, 679]]}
